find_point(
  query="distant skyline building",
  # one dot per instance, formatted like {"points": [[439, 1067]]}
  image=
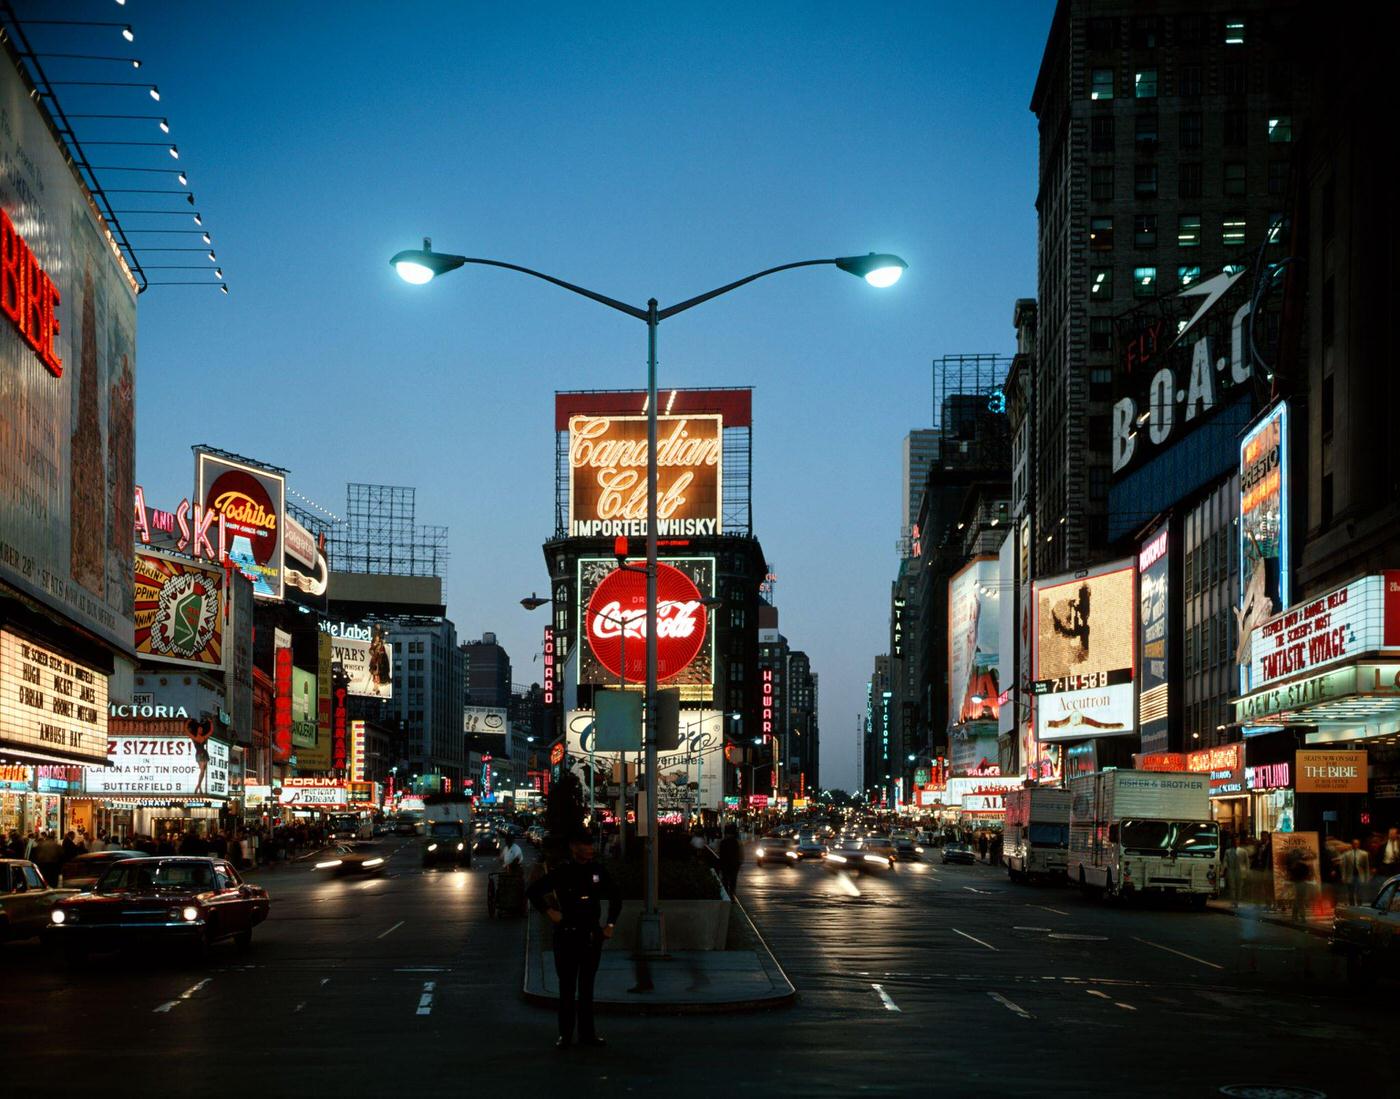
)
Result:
{"points": [[918, 452]]}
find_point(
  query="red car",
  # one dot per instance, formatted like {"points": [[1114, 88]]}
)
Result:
{"points": [[195, 901]]}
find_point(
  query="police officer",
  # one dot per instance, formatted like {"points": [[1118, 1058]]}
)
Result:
{"points": [[579, 885]]}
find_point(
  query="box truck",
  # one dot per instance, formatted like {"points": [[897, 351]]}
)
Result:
{"points": [[1035, 839], [1132, 832], [447, 832]]}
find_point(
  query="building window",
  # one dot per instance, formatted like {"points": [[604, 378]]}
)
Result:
{"points": [[1188, 83], [1101, 183], [1280, 129], [1145, 180], [1101, 283], [1101, 84], [1189, 130], [1188, 231], [1145, 231], [1145, 33], [1101, 134], [1101, 34], [1145, 84], [1329, 314], [1328, 405], [1100, 333], [1188, 181], [1101, 234], [1146, 133], [1234, 30], [1232, 78], [1233, 268], [1189, 30], [1232, 230], [1278, 177], [1234, 183], [1188, 276], [1235, 128], [1144, 282]]}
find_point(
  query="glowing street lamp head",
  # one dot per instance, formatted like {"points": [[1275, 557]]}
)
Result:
{"points": [[879, 270], [420, 265]]}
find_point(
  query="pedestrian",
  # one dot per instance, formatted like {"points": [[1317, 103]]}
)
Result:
{"points": [[731, 857], [71, 849], [578, 887], [48, 857], [1237, 867], [512, 858], [1390, 854], [1355, 866], [982, 846], [1298, 867], [99, 843], [1263, 868]]}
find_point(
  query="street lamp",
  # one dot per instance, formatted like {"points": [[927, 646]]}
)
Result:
{"points": [[422, 265]]}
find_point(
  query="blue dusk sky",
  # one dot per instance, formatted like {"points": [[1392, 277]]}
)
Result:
{"points": [[641, 150]]}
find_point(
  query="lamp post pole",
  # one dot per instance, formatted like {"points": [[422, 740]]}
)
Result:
{"points": [[419, 266]]}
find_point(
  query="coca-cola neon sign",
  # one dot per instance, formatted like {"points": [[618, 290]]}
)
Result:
{"points": [[616, 622]]}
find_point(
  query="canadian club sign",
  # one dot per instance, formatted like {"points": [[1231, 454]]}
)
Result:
{"points": [[615, 622]]}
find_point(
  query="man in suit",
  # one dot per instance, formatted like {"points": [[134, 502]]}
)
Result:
{"points": [[1355, 872]]}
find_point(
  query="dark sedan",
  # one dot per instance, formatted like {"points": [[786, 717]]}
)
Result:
{"points": [[196, 901], [906, 850], [1368, 935], [83, 871], [954, 851], [773, 848], [808, 847]]}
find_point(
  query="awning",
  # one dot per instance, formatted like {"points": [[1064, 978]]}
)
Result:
{"points": [[1361, 697]]}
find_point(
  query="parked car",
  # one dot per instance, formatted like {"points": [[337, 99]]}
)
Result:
{"points": [[82, 872], [1368, 935], [194, 901], [957, 851], [25, 899]]}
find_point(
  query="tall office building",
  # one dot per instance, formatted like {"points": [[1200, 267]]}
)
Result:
{"points": [[918, 452], [486, 670], [1165, 147]]}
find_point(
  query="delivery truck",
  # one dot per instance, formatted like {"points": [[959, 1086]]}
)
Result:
{"points": [[1035, 836], [1135, 832], [447, 832]]}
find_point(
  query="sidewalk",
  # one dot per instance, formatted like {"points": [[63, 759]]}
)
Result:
{"points": [[685, 982], [1320, 926]]}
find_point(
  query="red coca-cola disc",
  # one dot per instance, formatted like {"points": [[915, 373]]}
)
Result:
{"points": [[620, 602]]}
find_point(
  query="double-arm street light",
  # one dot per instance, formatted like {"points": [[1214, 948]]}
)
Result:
{"points": [[421, 265]]}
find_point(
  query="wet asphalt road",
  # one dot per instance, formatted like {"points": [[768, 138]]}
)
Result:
{"points": [[930, 981]]}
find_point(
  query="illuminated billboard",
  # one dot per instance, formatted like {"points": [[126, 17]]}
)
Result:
{"points": [[974, 643], [366, 659], [1263, 524], [252, 501], [51, 706], [613, 625], [179, 610], [161, 767], [699, 759], [1084, 634], [1154, 641], [608, 475], [67, 382]]}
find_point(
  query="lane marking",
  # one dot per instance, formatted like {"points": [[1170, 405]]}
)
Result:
{"points": [[298, 1007], [984, 892], [974, 938], [425, 1001], [1015, 1008], [1100, 995], [165, 1008], [1125, 1007], [1057, 911], [325, 981], [1179, 953], [1018, 927], [390, 931], [422, 969], [890, 1005]]}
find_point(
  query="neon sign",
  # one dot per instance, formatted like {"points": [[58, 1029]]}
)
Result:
{"points": [[28, 296]]}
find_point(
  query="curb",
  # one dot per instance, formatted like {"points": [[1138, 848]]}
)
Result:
{"points": [[1320, 932], [640, 1006]]}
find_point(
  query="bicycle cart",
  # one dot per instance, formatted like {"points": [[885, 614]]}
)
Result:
{"points": [[505, 894]]}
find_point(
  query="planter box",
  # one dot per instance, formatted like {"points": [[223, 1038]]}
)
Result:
{"points": [[690, 925]]}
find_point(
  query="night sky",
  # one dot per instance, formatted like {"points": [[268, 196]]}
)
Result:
{"points": [[647, 150]]}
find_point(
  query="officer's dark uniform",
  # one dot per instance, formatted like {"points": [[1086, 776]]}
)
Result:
{"points": [[579, 889]]}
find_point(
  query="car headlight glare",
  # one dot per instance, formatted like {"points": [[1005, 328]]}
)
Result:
{"points": [[461, 847], [760, 852], [190, 913], [432, 847], [59, 916]]}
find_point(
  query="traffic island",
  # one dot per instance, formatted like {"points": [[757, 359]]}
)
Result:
{"points": [[744, 976]]}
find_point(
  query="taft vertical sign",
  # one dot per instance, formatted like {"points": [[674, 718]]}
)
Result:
{"points": [[252, 500], [1264, 564], [1154, 641], [67, 382]]}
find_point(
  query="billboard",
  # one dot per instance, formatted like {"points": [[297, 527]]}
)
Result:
{"points": [[1263, 523], [685, 646], [307, 572], [1327, 772], [252, 501], [238, 653], [485, 720], [304, 700], [366, 659], [67, 382], [973, 642], [179, 610], [160, 767], [1154, 641], [51, 706], [699, 759], [1085, 631]]}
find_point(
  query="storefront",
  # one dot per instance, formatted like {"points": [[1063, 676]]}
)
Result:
{"points": [[1229, 796], [158, 784]]}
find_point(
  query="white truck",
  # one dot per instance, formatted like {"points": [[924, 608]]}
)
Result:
{"points": [[1035, 837], [1143, 831], [447, 832]]}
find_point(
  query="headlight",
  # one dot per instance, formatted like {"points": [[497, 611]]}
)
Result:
{"points": [[432, 847], [59, 916], [373, 862], [461, 846], [919, 850], [759, 852], [328, 865], [877, 859], [191, 913], [836, 858]]}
